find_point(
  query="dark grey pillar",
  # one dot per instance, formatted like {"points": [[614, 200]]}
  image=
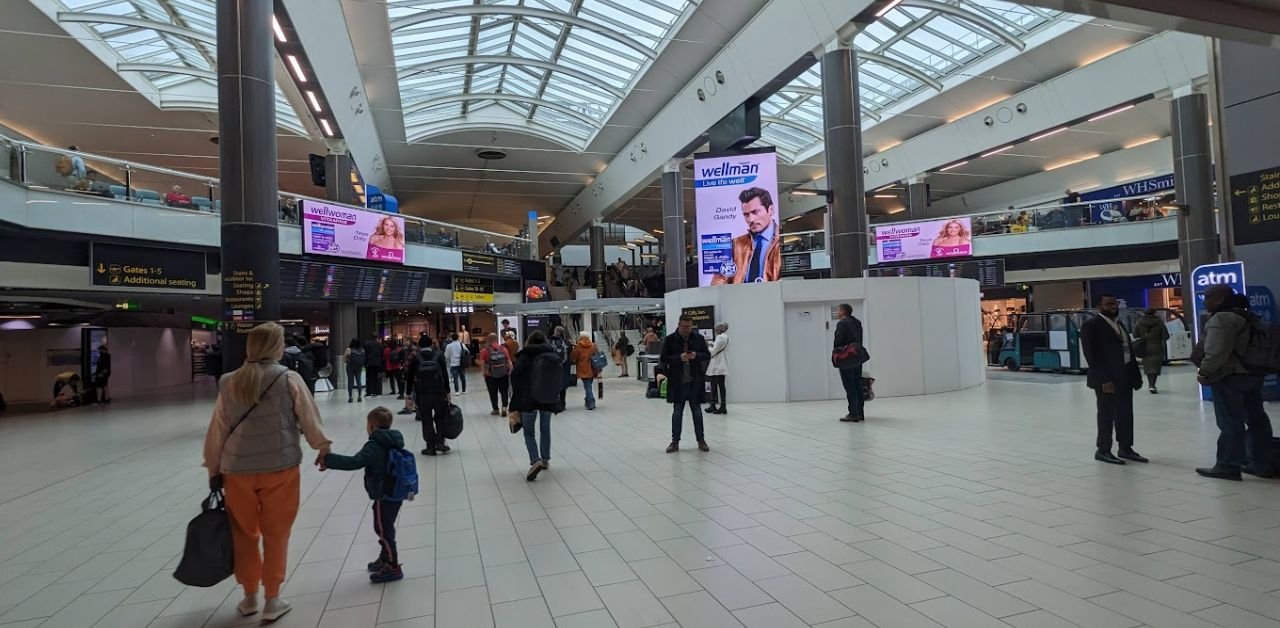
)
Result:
{"points": [[1193, 178], [673, 264], [842, 115], [597, 257], [917, 201], [247, 153], [342, 328], [337, 179]]}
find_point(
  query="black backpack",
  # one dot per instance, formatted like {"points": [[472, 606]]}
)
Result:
{"points": [[561, 349], [546, 379], [429, 378], [499, 366], [356, 361], [289, 361]]}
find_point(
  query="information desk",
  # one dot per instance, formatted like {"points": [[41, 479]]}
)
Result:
{"points": [[338, 282]]}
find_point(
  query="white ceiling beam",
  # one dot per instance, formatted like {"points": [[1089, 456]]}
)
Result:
{"points": [[322, 29], [1156, 64], [747, 66]]}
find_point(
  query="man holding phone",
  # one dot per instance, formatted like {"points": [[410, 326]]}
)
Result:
{"points": [[685, 356]]}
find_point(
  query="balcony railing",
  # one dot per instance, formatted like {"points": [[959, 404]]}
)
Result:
{"points": [[40, 167]]}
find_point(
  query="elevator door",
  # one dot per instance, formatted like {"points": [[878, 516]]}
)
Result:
{"points": [[808, 331]]}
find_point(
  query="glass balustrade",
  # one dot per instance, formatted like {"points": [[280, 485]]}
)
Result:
{"points": [[43, 168]]}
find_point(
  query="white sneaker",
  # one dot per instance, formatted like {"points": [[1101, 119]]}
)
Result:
{"points": [[248, 606], [275, 608]]}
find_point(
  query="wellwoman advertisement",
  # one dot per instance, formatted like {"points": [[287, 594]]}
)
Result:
{"points": [[346, 232], [739, 240], [935, 239]]}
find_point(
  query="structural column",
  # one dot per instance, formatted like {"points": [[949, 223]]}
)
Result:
{"points": [[917, 200], [337, 178], [842, 116], [1193, 178], [673, 264], [597, 257], [342, 328], [247, 155]]}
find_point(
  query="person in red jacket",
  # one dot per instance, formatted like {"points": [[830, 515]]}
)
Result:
{"points": [[393, 361]]}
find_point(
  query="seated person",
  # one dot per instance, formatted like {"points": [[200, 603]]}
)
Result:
{"points": [[66, 391], [175, 198]]}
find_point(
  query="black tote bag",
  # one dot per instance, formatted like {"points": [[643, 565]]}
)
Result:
{"points": [[208, 557]]}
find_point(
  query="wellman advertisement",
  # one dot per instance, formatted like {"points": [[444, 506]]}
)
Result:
{"points": [[739, 240]]}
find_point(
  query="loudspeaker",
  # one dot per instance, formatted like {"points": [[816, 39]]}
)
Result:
{"points": [[317, 169]]}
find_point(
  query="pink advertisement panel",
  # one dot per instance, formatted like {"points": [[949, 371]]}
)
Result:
{"points": [[935, 239], [343, 231]]}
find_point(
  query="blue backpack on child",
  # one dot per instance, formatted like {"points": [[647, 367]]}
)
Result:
{"points": [[402, 476]]}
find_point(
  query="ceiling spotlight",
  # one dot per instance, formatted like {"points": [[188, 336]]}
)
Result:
{"points": [[1111, 113], [297, 68]]}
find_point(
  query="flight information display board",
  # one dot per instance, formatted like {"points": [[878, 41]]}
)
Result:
{"points": [[988, 272], [337, 282], [490, 264]]}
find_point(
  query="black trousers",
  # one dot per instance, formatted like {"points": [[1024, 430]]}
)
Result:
{"points": [[719, 398], [1115, 413], [498, 386], [432, 407], [385, 513], [395, 381], [372, 381]]}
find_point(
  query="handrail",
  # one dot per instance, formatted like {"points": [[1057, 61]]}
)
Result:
{"points": [[213, 184]]}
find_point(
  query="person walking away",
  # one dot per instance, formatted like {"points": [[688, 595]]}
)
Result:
{"points": [[718, 370], [392, 360], [495, 362], [373, 367], [581, 356], [102, 375], [561, 345], [1113, 376], [685, 355], [295, 359], [536, 386], [252, 452], [622, 350], [431, 393], [652, 341], [849, 331], [1152, 333], [406, 376], [355, 360], [375, 459], [1244, 429], [454, 353], [509, 341], [319, 352]]}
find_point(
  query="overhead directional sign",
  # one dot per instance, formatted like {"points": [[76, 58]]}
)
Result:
{"points": [[132, 267], [1255, 206]]}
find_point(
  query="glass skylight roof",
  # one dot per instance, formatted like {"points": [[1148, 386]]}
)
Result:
{"points": [[177, 56], [912, 48], [552, 68]]}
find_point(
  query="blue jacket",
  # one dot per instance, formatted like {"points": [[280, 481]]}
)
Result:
{"points": [[372, 458]]}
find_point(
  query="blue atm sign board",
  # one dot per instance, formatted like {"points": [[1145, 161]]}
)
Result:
{"points": [[1225, 274]]}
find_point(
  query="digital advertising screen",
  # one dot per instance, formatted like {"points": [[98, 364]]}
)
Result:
{"points": [[935, 239], [342, 231], [739, 240]]}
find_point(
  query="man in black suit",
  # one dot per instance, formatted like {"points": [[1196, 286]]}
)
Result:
{"points": [[685, 356], [1113, 376]]}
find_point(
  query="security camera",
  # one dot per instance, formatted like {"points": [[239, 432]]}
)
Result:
{"points": [[1022, 107], [989, 121]]}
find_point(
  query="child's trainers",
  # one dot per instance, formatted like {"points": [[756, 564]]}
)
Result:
{"points": [[388, 573], [377, 565]]}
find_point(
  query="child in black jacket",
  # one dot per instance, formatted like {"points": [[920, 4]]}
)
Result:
{"points": [[373, 459]]}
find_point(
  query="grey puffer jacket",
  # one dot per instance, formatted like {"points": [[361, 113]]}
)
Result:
{"points": [[1226, 337]]}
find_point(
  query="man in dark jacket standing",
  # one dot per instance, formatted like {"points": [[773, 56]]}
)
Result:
{"points": [[1244, 439], [685, 356], [849, 331], [430, 385], [373, 366], [1113, 376]]}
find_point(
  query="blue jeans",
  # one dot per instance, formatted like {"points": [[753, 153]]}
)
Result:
{"points": [[591, 393], [459, 374], [528, 418], [354, 379], [852, 380], [1244, 427]]}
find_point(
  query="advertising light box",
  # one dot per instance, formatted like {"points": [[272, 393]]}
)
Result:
{"points": [[739, 240], [343, 231], [935, 239]]}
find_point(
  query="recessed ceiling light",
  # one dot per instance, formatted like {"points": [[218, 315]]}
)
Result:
{"points": [[297, 68], [275, 26], [1049, 134], [315, 102], [954, 166], [328, 130], [998, 151], [1111, 113]]}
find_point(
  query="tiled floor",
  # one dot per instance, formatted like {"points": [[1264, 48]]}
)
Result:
{"points": [[972, 509]]}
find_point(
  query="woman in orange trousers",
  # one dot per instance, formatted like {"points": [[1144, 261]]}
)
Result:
{"points": [[253, 451]]}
